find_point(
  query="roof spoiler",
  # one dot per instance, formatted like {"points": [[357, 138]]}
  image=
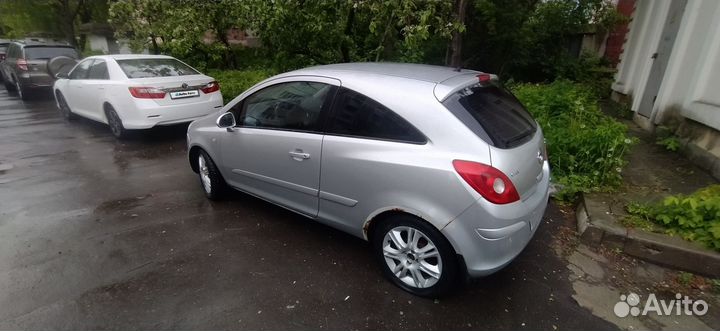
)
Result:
{"points": [[453, 84]]}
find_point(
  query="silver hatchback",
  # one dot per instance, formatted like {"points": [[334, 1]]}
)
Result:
{"points": [[443, 171]]}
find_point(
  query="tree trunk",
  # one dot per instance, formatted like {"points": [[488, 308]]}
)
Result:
{"points": [[456, 43], [156, 49], [344, 47]]}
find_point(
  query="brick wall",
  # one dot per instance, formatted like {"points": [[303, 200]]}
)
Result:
{"points": [[616, 38]]}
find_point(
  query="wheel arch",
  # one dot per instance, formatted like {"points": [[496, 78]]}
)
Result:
{"points": [[379, 216], [193, 153]]}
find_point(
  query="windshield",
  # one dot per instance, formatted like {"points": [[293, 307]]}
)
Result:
{"points": [[143, 68], [47, 52], [494, 114]]}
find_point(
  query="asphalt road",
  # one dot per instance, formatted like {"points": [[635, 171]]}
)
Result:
{"points": [[101, 234]]}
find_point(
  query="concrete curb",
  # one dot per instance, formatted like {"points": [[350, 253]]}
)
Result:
{"points": [[597, 225]]}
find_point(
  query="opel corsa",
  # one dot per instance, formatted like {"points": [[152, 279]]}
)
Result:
{"points": [[441, 170]]}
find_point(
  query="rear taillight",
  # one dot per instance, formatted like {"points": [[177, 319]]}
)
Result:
{"points": [[491, 183], [22, 64], [2, 57], [211, 87], [484, 78], [147, 92]]}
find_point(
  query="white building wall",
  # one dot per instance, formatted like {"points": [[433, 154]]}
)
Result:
{"points": [[691, 83], [98, 43]]}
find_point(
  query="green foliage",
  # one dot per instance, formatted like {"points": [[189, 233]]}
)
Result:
{"points": [[671, 143], [695, 217], [685, 278], [530, 40], [50, 18], [639, 217], [589, 70], [716, 285], [234, 82], [585, 146]]}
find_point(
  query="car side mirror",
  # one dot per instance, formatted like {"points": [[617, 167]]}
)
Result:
{"points": [[226, 121], [62, 75]]}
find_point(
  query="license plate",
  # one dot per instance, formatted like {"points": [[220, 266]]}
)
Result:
{"points": [[184, 94]]}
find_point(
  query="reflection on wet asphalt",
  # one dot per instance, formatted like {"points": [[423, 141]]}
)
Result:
{"points": [[101, 234]]}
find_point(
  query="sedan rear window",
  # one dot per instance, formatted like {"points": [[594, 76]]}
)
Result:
{"points": [[144, 68], [493, 114], [49, 52]]}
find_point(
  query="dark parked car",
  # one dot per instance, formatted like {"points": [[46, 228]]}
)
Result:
{"points": [[3, 48], [25, 67]]}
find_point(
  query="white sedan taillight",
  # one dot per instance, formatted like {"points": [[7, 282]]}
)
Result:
{"points": [[147, 92], [211, 87]]}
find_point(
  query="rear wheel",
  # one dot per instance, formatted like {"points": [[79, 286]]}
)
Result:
{"points": [[115, 123], [22, 93], [64, 109], [210, 178], [415, 256], [9, 86]]}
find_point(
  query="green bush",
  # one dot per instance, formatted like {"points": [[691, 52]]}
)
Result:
{"points": [[234, 82], [695, 217], [590, 70], [585, 146]]}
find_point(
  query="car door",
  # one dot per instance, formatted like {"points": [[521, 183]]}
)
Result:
{"points": [[274, 151], [75, 93], [95, 88]]}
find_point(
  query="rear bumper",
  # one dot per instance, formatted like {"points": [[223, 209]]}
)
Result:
{"points": [[490, 236], [148, 114]]}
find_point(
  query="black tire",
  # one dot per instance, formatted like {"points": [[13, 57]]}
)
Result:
{"points": [[447, 263], [115, 123], [10, 87], [22, 93], [216, 188], [63, 107]]}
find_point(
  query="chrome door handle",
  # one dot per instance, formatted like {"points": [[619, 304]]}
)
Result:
{"points": [[299, 155]]}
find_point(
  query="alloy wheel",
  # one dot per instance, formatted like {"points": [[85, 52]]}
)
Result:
{"points": [[204, 174], [412, 257], [115, 125], [18, 90]]}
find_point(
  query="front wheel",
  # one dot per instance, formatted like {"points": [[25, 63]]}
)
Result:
{"points": [[210, 178], [65, 110], [415, 256]]}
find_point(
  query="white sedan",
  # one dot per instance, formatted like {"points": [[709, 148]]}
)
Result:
{"points": [[130, 92]]}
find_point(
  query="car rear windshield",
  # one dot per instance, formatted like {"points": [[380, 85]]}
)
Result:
{"points": [[49, 52], [3, 48], [494, 114], [143, 68]]}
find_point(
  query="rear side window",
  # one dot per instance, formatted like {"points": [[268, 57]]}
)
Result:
{"points": [[49, 52], [144, 68], [493, 114], [98, 70], [357, 115]]}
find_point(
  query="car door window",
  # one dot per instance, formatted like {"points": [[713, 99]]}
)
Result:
{"points": [[296, 106], [98, 70], [357, 115], [81, 70]]}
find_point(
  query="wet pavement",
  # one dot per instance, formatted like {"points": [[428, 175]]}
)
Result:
{"points": [[101, 234]]}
